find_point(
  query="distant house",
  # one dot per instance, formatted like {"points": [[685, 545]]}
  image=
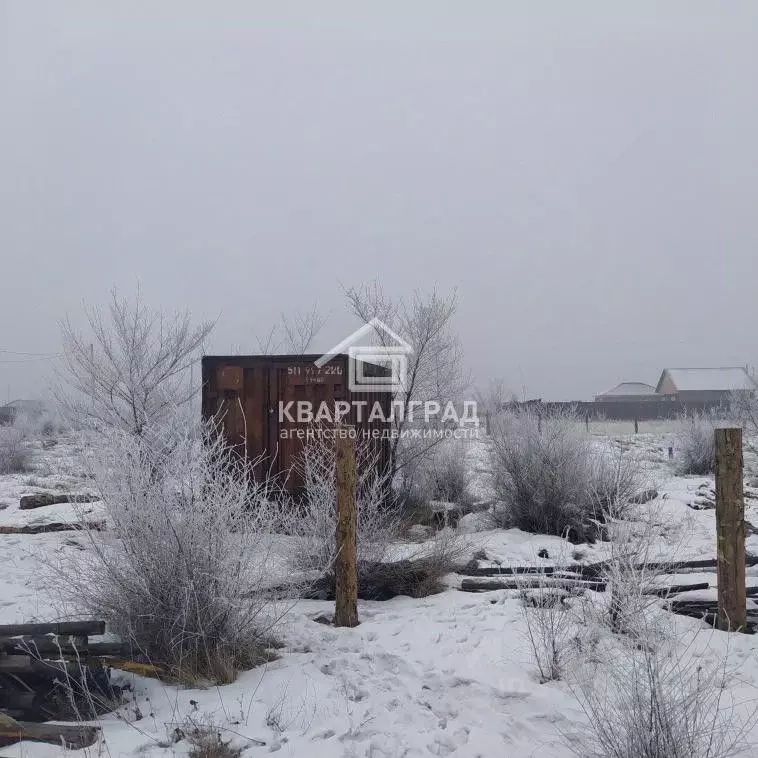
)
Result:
{"points": [[701, 385], [628, 391], [30, 408]]}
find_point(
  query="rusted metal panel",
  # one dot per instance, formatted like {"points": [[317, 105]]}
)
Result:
{"points": [[245, 393], [229, 377]]}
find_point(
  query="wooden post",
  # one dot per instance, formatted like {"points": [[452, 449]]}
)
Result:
{"points": [[636, 426], [730, 530], [346, 567], [587, 421]]}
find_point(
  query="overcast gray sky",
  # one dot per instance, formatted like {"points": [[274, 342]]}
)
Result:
{"points": [[584, 173]]}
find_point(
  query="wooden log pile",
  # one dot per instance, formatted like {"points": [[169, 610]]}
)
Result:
{"points": [[581, 577], [707, 610], [73, 736], [49, 672], [595, 571], [578, 578]]}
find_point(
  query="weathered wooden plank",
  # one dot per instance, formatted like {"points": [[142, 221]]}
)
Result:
{"points": [[66, 646], [17, 700], [484, 585], [471, 570], [693, 606], [687, 606], [75, 736], [85, 628], [41, 500], [26, 664], [675, 589], [595, 570], [53, 526]]}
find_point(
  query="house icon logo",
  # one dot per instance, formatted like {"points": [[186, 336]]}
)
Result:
{"points": [[373, 368]]}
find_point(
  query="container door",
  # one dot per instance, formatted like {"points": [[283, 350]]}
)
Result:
{"points": [[304, 383]]}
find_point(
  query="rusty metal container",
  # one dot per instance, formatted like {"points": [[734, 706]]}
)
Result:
{"points": [[246, 394]]}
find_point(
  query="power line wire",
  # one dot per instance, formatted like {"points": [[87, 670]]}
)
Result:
{"points": [[34, 355], [29, 360]]}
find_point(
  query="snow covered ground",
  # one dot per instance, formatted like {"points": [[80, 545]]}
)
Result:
{"points": [[447, 675]]}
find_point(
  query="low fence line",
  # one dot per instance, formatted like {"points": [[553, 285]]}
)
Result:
{"points": [[622, 410]]}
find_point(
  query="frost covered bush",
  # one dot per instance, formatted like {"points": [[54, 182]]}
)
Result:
{"points": [[38, 423], [418, 574], [615, 478], [660, 702], [549, 625], [551, 479], [542, 471], [14, 451], [378, 514], [42, 422], [631, 568], [183, 571], [648, 693], [443, 474], [696, 446], [381, 518]]}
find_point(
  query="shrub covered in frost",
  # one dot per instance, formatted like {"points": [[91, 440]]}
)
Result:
{"points": [[183, 572], [381, 518], [378, 515], [443, 474], [696, 445], [14, 451], [550, 477]]}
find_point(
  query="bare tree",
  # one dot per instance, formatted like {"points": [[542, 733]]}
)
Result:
{"points": [[293, 335], [131, 370], [301, 330], [268, 344], [435, 371]]}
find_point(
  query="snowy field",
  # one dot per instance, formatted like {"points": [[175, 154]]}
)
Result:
{"points": [[447, 675]]}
